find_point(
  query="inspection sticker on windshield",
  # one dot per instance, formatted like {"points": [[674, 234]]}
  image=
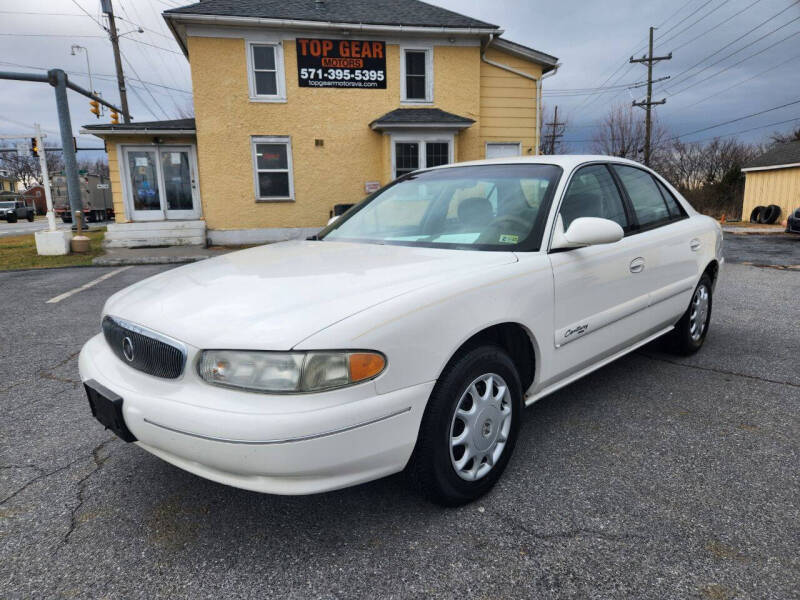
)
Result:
{"points": [[509, 239]]}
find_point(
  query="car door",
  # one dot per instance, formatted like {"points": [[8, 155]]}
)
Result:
{"points": [[668, 244], [598, 289]]}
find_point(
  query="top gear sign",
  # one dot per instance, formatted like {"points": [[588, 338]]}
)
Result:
{"points": [[341, 63]]}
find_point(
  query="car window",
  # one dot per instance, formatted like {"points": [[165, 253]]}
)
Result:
{"points": [[593, 193], [647, 201], [673, 207], [485, 207]]}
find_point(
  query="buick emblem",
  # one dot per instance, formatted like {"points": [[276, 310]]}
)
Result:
{"points": [[127, 349]]}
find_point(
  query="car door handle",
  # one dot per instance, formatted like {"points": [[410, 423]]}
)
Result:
{"points": [[637, 265], [695, 244]]}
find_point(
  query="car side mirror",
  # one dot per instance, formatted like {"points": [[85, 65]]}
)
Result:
{"points": [[586, 231]]}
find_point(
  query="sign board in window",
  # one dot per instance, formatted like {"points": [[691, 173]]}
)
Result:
{"points": [[341, 63]]}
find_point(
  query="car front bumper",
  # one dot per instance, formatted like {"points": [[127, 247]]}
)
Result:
{"points": [[280, 444]]}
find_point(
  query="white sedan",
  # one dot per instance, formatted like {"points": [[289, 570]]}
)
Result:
{"points": [[409, 334]]}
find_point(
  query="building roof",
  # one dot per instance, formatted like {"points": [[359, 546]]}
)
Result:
{"points": [[778, 156], [170, 126], [549, 61], [369, 12], [410, 118]]}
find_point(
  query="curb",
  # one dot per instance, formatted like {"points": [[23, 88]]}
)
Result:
{"points": [[105, 261]]}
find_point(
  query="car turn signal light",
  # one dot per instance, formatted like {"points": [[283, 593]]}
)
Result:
{"points": [[364, 365]]}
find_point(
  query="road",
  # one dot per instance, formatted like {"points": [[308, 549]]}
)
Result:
{"points": [[24, 227], [655, 477]]}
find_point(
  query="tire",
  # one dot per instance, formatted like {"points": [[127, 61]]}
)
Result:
{"points": [[12, 218], [770, 214], [685, 339], [432, 468], [755, 214], [30, 217]]}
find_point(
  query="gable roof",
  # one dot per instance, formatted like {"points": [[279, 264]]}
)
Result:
{"points": [[408, 118], [369, 12], [778, 156]]}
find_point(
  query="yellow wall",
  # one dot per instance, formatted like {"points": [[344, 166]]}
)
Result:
{"points": [[508, 101], [323, 176], [114, 171], [776, 186]]}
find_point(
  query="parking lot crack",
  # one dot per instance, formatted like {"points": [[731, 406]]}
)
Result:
{"points": [[98, 461], [719, 371], [576, 532], [42, 475]]}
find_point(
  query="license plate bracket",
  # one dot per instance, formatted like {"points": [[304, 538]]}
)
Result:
{"points": [[107, 408]]}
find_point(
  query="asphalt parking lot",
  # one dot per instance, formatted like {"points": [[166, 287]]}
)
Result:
{"points": [[655, 477]]}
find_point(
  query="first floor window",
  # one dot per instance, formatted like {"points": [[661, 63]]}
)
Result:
{"points": [[418, 154], [273, 168]]}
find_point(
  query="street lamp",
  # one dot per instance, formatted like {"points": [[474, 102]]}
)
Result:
{"points": [[74, 49]]}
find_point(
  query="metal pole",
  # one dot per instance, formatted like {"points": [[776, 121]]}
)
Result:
{"points": [[51, 216], [58, 79], [112, 35]]}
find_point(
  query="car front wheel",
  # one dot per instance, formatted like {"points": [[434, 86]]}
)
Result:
{"points": [[469, 428]]}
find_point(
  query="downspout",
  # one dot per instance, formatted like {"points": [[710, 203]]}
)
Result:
{"points": [[537, 80]]}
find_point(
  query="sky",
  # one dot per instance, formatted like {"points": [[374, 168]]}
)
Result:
{"points": [[731, 58]]}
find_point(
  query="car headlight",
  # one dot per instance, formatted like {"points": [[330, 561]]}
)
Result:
{"points": [[289, 372]]}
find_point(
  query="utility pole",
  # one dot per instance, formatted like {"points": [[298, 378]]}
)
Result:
{"points": [[108, 9], [556, 132], [649, 103], [51, 217]]}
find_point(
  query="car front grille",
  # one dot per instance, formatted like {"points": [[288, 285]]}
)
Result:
{"points": [[144, 350]]}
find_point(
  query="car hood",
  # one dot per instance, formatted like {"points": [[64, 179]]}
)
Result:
{"points": [[273, 297]]}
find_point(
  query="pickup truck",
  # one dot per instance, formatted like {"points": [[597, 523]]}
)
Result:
{"points": [[13, 210]]}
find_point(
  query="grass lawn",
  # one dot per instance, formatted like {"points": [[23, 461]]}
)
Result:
{"points": [[19, 252]]}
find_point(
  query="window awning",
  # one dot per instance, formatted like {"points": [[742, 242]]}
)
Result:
{"points": [[420, 118]]}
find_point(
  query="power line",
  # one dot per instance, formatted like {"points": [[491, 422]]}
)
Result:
{"points": [[693, 23], [691, 85], [717, 26], [734, 41], [147, 89], [728, 122]]}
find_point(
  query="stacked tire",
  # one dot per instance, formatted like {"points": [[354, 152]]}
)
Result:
{"points": [[766, 215]]}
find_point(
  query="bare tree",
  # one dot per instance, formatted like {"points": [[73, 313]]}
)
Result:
{"points": [[783, 138], [26, 168], [622, 133]]}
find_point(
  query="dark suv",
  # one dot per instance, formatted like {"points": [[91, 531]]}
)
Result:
{"points": [[793, 222], [13, 210]]}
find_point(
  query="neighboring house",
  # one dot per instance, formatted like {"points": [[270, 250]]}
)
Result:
{"points": [[7, 182], [35, 195], [773, 178], [301, 105]]}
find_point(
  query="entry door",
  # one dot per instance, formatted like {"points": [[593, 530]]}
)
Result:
{"points": [[161, 183]]}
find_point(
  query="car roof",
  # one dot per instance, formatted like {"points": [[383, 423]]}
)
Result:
{"points": [[566, 161]]}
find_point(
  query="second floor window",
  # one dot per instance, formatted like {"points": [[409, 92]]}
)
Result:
{"points": [[416, 72], [266, 72]]}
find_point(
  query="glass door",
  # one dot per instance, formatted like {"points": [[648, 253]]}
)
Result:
{"points": [[179, 182], [161, 183], [144, 190]]}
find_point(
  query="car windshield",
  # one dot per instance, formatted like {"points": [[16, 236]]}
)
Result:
{"points": [[6, 205], [482, 207]]}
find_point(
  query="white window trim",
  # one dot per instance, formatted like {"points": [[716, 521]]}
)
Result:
{"points": [[262, 139], [496, 143], [421, 139], [428, 50], [280, 72]]}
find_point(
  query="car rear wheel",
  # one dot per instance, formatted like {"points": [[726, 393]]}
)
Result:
{"points": [[690, 332], [469, 428], [30, 217]]}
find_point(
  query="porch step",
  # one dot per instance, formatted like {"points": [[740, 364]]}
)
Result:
{"points": [[148, 234]]}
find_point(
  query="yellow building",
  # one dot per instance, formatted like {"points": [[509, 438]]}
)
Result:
{"points": [[302, 105], [7, 182], [773, 178]]}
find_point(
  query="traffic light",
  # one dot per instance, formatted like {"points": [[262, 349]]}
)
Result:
{"points": [[34, 148], [114, 117], [94, 108]]}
